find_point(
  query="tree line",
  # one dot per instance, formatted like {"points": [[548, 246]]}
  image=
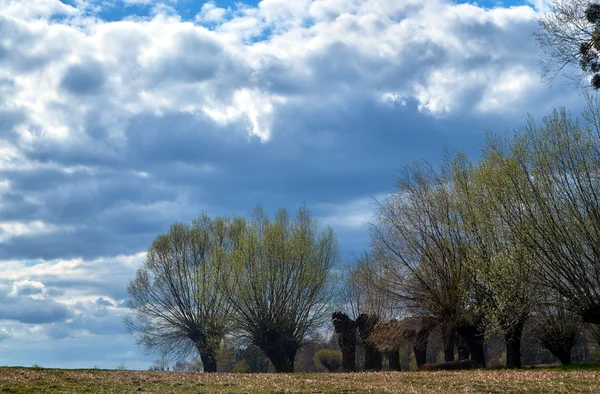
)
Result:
{"points": [[463, 250], [468, 249], [459, 252]]}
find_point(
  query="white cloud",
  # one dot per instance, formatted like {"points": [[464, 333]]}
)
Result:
{"points": [[13, 229], [440, 54], [210, 13], [35, 8], [355, 214], [30, 288]]}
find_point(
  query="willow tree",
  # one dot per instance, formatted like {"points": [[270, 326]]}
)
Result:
{"points": [[503, 270], [177, 304], [422, 250], [279, 284], [553, 170]]}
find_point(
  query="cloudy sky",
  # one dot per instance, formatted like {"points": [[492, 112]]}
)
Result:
{"points": [[119, 117]]}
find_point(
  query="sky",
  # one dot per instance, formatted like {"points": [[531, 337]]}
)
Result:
{"points": [[120, 117]]}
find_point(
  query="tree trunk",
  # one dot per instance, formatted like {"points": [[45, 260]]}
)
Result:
{"points": [[461, 346], [207, 354], [345, 329], [473, 336], [420, 346], [564, 357], [282, 360], [373, 357], [512, 337], [449, 341], [280, 347], [209, 362], [393, 357], [420, 355], [591, 314]]}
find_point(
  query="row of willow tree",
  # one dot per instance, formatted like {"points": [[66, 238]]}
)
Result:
{"points": [[465, 249], [474, 249]]}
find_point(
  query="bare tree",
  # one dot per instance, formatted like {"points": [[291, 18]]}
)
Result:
{"points": [[422, 250], [570, 36], [177, 306], [280, 282]]}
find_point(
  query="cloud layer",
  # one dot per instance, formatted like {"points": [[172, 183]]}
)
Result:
{"points": [[115, 123]]}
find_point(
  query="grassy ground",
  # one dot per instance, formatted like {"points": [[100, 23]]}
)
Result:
{"points": [[552, 380]]}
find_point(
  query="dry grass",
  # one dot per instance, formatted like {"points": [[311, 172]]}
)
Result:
{"points": [[28, 380]]}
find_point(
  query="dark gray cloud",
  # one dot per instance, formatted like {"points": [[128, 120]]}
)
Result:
{"points": [[33, 311], [83, 78]]}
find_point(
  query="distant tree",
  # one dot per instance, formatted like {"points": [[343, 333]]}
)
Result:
{"points": [[162, 364], [255, 357], [365, 291], [570, 35], [176, 299], [558, 330], [280, 282], [241, 366], [328, 359]]}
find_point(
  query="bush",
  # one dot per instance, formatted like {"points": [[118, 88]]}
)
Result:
{"points": [[328, 359], [241, 366]]}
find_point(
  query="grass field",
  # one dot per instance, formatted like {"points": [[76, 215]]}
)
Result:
{"points": [[33, 380]]}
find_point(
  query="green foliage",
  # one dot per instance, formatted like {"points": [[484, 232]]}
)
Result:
{"points": [[498, 362], [328, 359], [279, 285], [412, 363], [176, 299], [241, 366]]}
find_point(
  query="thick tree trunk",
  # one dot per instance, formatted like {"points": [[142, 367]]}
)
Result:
{"points": [[207, 354], [283, 360], [345, 329], [449, 341], [393, 357], [512, 337], [280, 347], [461, 346], [420, 355], [209, 362], [420, 346], [373, 357], [473, 336], [591, 314], [564, 357]]}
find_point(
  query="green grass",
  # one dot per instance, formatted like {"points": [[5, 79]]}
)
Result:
{"points": [[576, 379]]}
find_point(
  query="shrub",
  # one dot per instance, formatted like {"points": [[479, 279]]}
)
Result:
{"points": [[328, 359], [241, 366]]}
